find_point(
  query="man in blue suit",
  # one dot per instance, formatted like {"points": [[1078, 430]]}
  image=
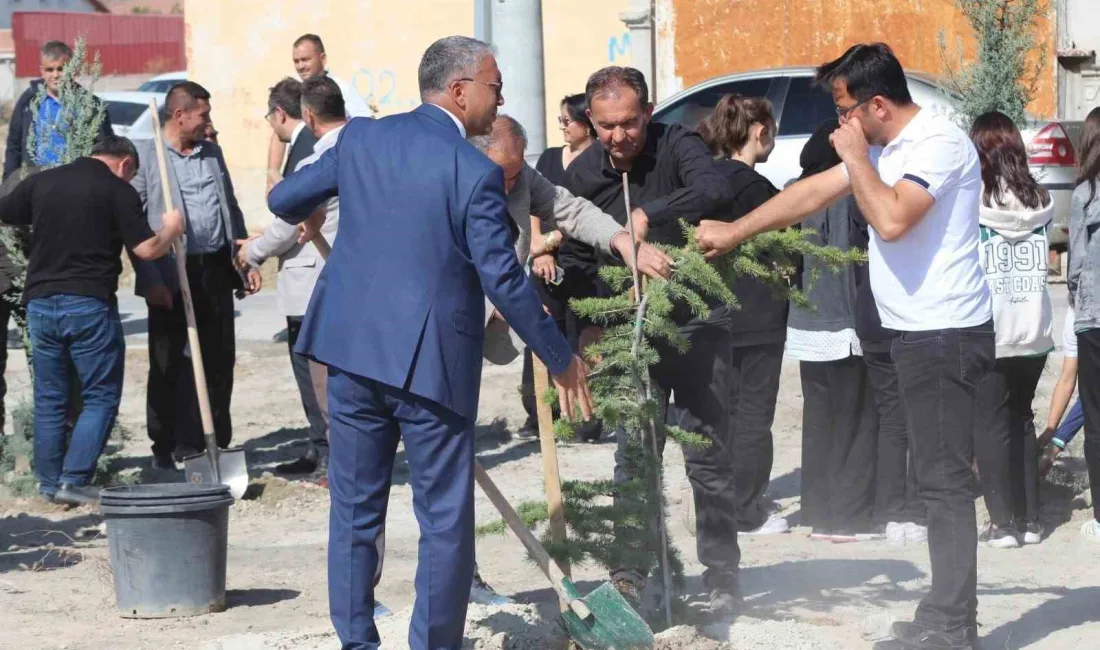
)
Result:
{"points": [[398, 316]]}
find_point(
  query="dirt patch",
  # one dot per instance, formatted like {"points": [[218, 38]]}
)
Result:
{"points": [[270, 493], [511, 627], [687, 638]]}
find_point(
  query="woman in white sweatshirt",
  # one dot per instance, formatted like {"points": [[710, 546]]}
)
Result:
{"points": [[1014, 216]]}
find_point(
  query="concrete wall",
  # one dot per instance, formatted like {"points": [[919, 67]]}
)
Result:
{"points": [[700, 39], [238, 49], [1079, 80], [8, 6], [579, 37]]}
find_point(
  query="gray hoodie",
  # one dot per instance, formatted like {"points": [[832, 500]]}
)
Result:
{"points": [[1014, 250], [1084, 258]]}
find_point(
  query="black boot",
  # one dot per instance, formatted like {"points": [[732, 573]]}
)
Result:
{"points": [[77, 495]]}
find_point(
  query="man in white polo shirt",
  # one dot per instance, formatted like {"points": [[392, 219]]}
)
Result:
{"points": [[917, 180]]}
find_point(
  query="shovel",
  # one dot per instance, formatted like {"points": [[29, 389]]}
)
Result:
{"points": [[214, 466], [602, 620]]}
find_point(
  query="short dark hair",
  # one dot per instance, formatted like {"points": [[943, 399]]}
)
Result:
{"points": [[287, 95], [56, 50], [322, 96], [311, 38], [577, 107], [116, 146], [608, 80], [183, 96], [868, 70]]}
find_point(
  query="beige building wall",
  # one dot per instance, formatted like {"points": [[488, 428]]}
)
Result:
{"points": [[578, 38], [238, 49]]}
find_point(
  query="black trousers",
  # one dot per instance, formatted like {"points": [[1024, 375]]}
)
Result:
{"points": [[1088, 374], [753, 385], [318, 428], [575, 284], [1004, 441], [939, 372], [172, 408], [692, 393], [895, 477], [838, 445]]}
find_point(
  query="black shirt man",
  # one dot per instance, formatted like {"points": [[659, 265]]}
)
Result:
{"points": [[672, 176]]}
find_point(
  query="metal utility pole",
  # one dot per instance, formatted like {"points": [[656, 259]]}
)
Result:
{"points": [[516, 31]]}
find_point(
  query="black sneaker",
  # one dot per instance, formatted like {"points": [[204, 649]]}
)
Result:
{"points": [[77, 495], [914, 636], [997, 537], [319, 475], [164, 461], [528, 430], [483, 594]]}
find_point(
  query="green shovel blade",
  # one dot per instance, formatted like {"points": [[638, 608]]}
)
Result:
{"points": [[614, 625]]}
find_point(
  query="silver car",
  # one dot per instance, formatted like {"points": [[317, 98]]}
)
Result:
{"points": [[800, 106]]}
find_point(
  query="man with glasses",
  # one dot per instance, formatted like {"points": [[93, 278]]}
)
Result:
{"points": [[917, 180], [50, 137]]}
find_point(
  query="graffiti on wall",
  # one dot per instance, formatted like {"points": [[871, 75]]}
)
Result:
{"points": [[618, 46], [383, 89]]}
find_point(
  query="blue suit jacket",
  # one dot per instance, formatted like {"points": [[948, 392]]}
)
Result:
{"points": [[424, 238]]}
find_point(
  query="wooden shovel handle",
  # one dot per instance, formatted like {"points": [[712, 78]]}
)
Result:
{"points": [[188, 307], [534, 548]]}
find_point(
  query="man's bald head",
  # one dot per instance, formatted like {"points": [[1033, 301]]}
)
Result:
{"points": [[505, 145]]}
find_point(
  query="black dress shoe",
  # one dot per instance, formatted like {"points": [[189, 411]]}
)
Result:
{"points": [[76, 495], [184, 451], [914, 636]]}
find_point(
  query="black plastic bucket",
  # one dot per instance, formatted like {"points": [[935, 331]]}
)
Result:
{"points": [[168, 547]]}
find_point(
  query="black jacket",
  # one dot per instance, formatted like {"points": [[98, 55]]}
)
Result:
{"points": [[20, 127], [762, 317]]}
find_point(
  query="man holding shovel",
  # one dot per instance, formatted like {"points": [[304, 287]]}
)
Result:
{"points": [[198, 182], [81, 215], [398, 316]]}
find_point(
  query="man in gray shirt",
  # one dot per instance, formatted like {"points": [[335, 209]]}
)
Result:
{"points": [[201, 188]]}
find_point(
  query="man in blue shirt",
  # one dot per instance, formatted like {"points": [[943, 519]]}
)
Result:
{"points": [[50, 140]]}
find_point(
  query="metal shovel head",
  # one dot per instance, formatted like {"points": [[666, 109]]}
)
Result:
{"points": [[232, 470], [613, 625]]}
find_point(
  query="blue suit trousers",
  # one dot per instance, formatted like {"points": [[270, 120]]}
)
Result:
{"points": [[367, 419]]}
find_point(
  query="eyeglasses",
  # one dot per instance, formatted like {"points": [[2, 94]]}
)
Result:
{"points": [[843, 113], [564, 121], [497, 86]]}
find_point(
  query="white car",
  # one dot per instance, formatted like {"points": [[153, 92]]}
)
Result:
{"points": [[162, 83], [799, 106], [128, 112]]}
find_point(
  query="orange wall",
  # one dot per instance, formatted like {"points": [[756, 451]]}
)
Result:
{"points": [[714, 37]]}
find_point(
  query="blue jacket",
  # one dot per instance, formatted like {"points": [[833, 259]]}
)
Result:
{"points": [[424, 238]]}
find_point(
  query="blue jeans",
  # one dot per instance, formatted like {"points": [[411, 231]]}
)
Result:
{"points": [[86, 333], [1069, 427]]}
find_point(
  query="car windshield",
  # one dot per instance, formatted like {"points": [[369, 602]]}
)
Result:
{"points": [[158, 85], [124, 113]]}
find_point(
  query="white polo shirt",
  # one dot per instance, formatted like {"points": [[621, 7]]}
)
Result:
{"points": [[931, 277]]}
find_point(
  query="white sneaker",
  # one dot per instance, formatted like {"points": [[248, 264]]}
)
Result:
{"points": [[1091, 529], [775, 525], [482, 594], [896, 533], [915, 533], [995, 537]]}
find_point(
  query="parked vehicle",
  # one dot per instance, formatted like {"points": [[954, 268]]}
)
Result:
{"points": [[162, 83], [128, 112], [800, 106]]}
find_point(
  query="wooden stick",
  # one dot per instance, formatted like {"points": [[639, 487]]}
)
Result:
{"points": [[549, 448], [549, 568], [188, 307], [650, 429]]}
